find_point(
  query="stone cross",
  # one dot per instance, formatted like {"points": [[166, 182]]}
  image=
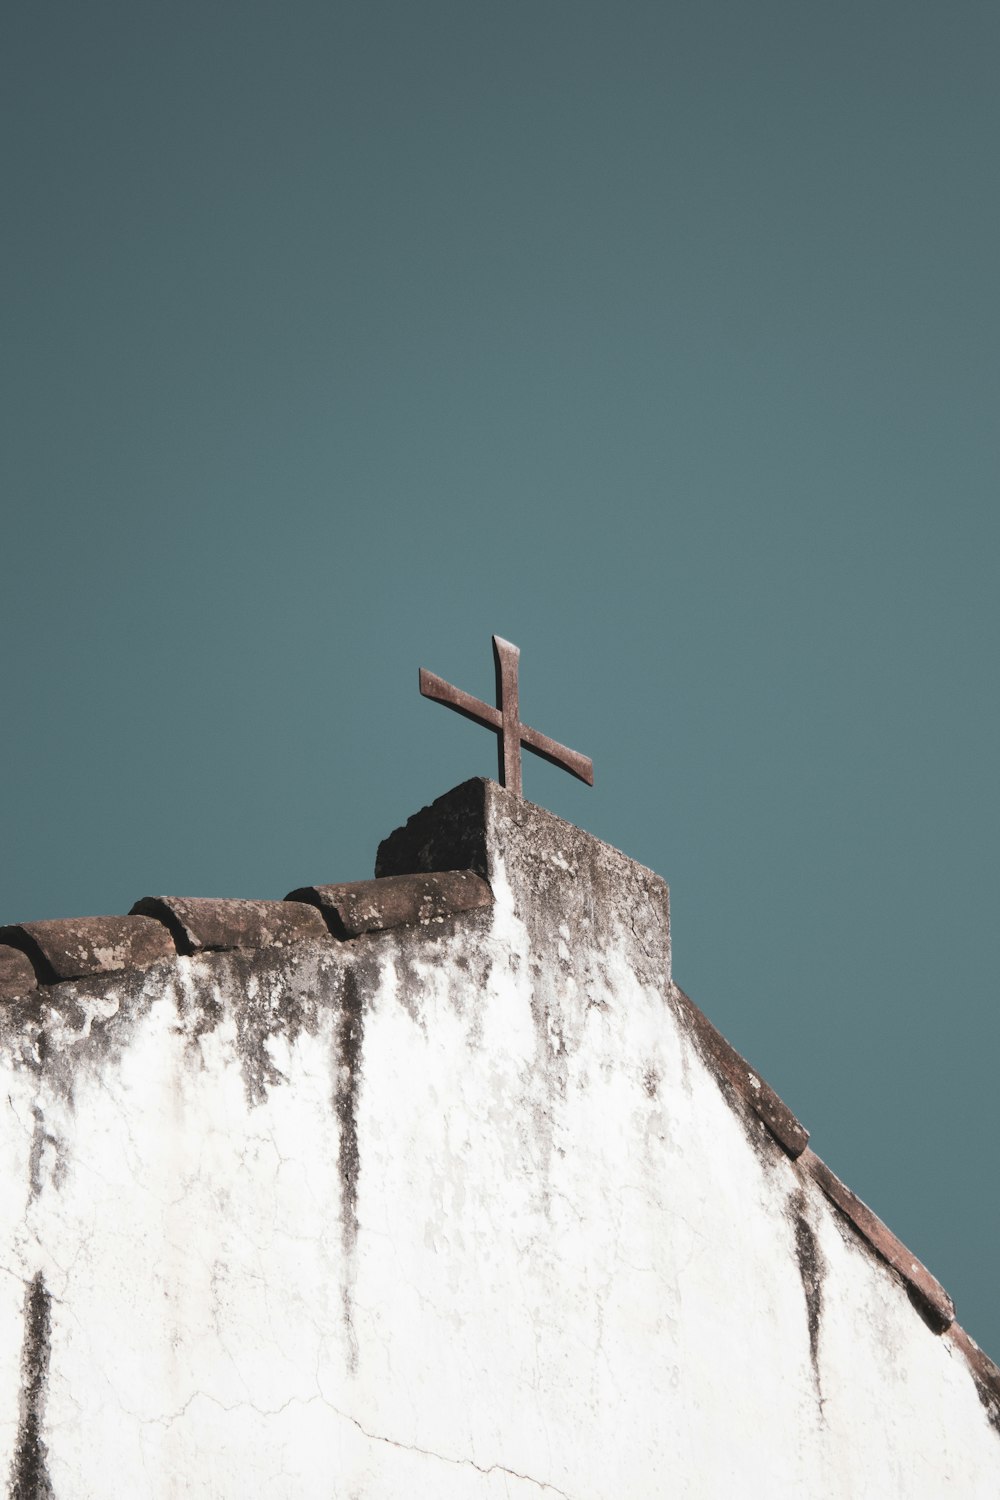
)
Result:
{"points": [[505, 720]]}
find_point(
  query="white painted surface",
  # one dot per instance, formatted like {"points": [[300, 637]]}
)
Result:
{"points": [[570, 1269]]}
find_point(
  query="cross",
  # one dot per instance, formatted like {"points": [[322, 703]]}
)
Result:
{"points": [[505, 720]]}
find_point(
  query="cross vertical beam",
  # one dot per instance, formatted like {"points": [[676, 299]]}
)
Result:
{"points": [[505, 720], [505, 660]]}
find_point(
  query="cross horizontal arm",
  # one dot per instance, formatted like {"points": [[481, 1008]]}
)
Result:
{"points": [[570, 760], [432, 686], [463, 703]]}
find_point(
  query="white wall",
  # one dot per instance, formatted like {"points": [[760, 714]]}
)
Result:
{"points": [[452, 1211]]}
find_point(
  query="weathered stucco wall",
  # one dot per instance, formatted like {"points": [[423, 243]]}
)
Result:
{"points": [[471, 1206]]}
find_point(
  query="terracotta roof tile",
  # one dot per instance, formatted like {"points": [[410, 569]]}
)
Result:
{"points": [[197, 923], [72, 947], [17, 977], [395, 900]]}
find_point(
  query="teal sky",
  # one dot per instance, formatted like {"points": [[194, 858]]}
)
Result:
{"points": [[661, 339]]}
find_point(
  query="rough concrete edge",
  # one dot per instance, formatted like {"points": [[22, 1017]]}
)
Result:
{"points": [[428, 840], [410, 848], [927, 1293], [985, 1374], [724, 1060], [499, 796], [930, 1296]]}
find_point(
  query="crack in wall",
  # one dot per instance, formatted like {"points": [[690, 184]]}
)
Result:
{"points": [[484, 1469], [29, 1479], [374, 1437]]}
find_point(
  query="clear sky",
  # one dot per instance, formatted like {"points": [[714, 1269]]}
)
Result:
{"points": [[661, 339]]}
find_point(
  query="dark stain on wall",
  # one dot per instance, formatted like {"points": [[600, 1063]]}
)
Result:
{"points": [[269, 1005], [811, 1270], [990, 1404], [460, 941], [350, 1037], [84, 1043], [46, 1158], [277, 996], [29, 1478], [20, 1033]]}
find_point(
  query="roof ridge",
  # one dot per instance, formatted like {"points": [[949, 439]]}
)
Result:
{"points": [[34, 956]]}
